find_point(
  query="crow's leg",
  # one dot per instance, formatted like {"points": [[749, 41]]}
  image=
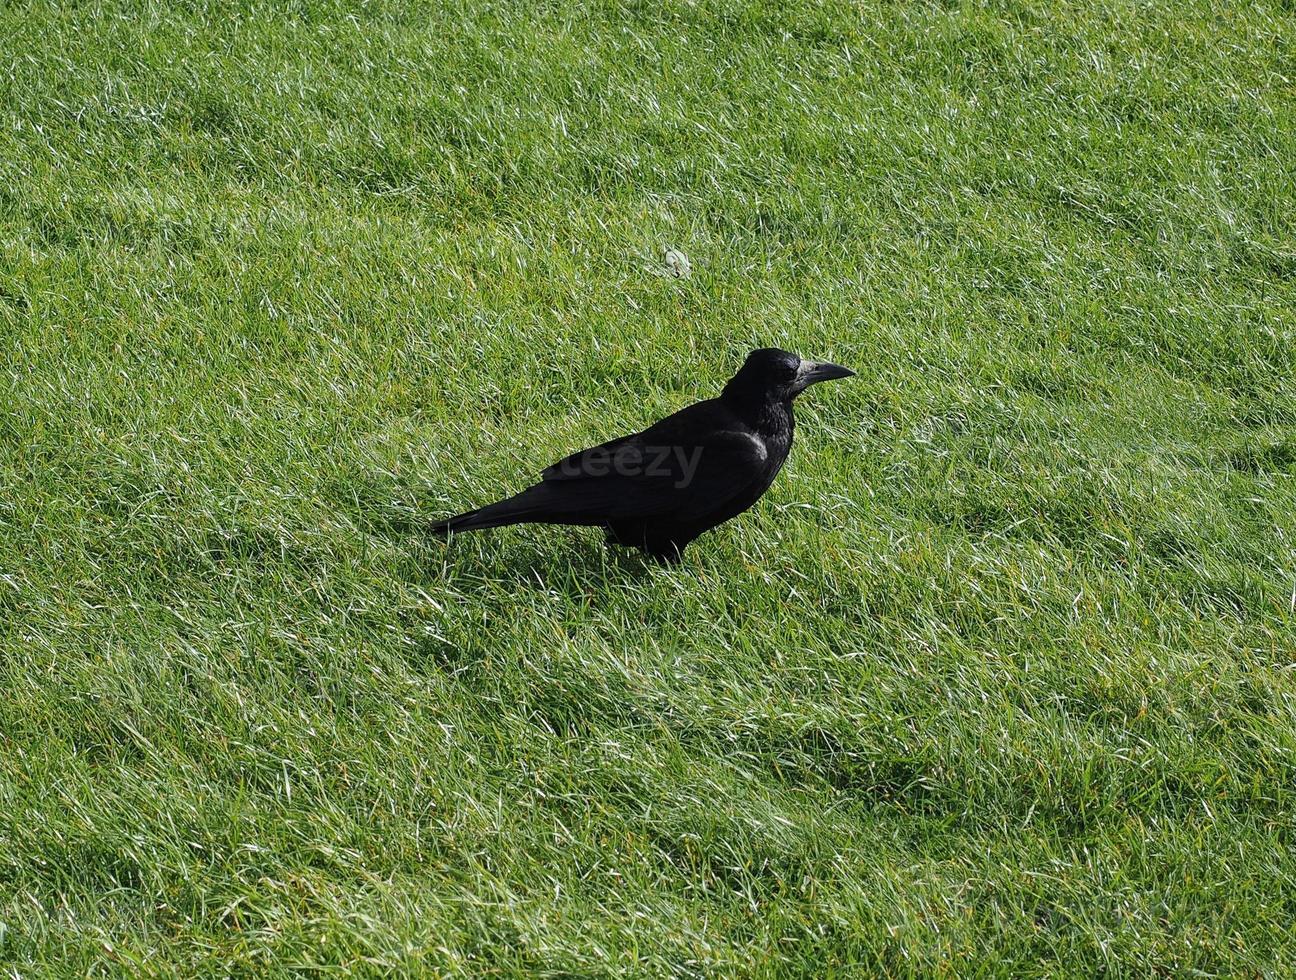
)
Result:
{"points": [[660, 544], [668, 551], [624, 535]]}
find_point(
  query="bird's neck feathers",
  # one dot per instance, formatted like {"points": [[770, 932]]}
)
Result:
{"points": [[756, 407]]}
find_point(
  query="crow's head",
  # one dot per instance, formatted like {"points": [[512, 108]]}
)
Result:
{"points": [[780, 375]]}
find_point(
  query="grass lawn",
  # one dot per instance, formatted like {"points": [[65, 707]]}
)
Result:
{"points": [[997, 679]]}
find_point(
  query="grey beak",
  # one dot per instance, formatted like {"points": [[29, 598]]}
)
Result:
{"points": [[812, 372]]}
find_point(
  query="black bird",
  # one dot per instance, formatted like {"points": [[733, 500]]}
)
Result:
{"points": [[659, 489]]}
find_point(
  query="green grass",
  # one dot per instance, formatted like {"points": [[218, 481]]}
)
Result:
{"points": [[997, 679]]}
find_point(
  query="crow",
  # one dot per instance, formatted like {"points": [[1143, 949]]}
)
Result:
{"points": [[659, 489]]}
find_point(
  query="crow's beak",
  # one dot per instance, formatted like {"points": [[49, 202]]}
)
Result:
{"points": [[812, 372]]}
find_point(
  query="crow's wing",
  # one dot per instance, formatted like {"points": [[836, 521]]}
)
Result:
{"points": [[686, 466], [686, 427], [637, 480], [578, 462]]}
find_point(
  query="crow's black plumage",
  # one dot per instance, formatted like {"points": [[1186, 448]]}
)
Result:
{"points": [[660, 488]]}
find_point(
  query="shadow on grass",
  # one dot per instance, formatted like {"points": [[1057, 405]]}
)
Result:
{"points": [[548, 559]]}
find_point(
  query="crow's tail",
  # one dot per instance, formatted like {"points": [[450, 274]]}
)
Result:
{"points": [[515, 510]]}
